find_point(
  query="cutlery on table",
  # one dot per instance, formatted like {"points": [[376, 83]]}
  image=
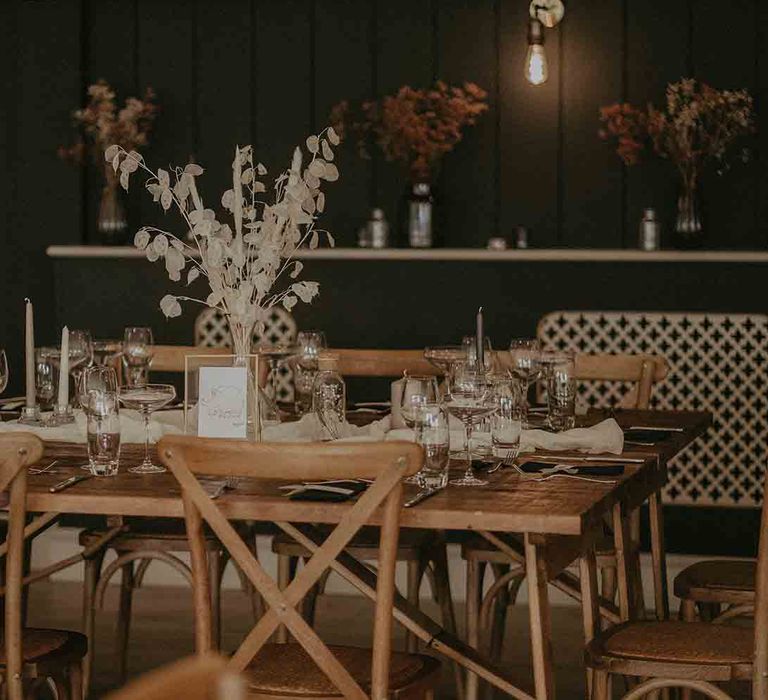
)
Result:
{"points": [[422, 495], [659, 428], [504, 462], [36, 470], [69, 482], [592, 458]]}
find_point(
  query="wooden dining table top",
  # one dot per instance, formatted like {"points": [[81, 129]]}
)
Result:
{"points": [[509, 502]]}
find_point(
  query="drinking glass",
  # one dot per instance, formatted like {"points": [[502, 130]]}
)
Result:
{"points": [[561, 396], [469, 398], [4, 373], [310, 344], [147, 399], [137, 355], [80, 350], [469, 343], [525, 355], [103, 430], [275, 354], [444, 357], [506, 421], [434, 437], [95, 379], [418, 391], [46, 376]]}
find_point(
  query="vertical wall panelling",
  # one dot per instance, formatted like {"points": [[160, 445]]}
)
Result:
{"points": [[343, 69], [724, 56], [528, 128], [657, 46], [404, 53], [48, 193], [592, 175], [110, 54], [167, 60], [467, 188], [224, 116], [761, 41], [282, 108]]}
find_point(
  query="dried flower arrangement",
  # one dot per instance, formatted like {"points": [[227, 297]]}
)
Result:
{"points": [[244, 261], [698, 126], [413, 127], [102, 124]]}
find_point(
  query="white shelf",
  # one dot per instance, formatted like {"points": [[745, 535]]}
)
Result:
{"points": [[468, 254]]}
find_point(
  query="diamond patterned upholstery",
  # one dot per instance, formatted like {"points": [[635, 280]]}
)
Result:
{"points": [[717, 362], [212, 331]]}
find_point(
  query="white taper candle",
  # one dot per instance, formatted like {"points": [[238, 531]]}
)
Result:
{"points": [[64, 370]]}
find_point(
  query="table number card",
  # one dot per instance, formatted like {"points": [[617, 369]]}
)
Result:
{"points": [[222, 402]]}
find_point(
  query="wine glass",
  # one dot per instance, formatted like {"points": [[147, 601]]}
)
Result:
{"points": [[525, 354], [147, 399], [4, 373], [80, 349], [137, 355], [46, 359], [469, 343], [418, 391], [310, 344], [444, 357], [275, 354], [95, 379], [469, 399]]}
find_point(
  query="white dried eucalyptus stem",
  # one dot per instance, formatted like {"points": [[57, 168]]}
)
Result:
{"points": [[252, 268]]}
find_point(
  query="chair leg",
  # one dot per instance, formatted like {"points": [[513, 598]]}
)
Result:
{"points": [[76, 681], [214, 575], [90, 579], [442, 592], [124, 618], [257, 602], [415, 571], [475, 570], [285, 565], [601, 686], [687, 610], [495, 635]]}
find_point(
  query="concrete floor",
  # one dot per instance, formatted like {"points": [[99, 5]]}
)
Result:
{"points": [[162, 632]]}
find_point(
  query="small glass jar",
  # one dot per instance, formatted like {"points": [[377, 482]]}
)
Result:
{"points": [[329, 398]]}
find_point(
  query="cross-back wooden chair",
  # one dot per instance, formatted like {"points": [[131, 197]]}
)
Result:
{"points": [[309, 669], [29, 654], [146, 540], [423, 551], [486, 613], [676, 654], [204, 677]]}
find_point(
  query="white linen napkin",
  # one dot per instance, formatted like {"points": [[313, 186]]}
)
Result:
{"points": [[606, 436], [131, 427], [308, 429]]}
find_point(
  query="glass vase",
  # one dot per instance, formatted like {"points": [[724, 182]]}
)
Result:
{"points": [[242, 334], [420, 215], [111, 222], [688, 227]]}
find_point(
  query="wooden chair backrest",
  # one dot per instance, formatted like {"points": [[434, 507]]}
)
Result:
{"points": [[382, 363], [386, 463], [204, 677], [18, 450], [641, 370]]}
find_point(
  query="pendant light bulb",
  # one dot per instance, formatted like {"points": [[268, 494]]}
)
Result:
{"points": [[536, 68]]}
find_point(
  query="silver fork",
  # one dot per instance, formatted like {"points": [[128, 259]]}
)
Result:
{"points": [[505, 462], [579, 477]]}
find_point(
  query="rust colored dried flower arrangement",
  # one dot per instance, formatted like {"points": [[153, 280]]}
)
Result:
{"points": [[698, 125], [101, 123], [413, 127]]}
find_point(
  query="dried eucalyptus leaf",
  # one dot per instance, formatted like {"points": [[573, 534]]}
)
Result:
{"points": [[327, 151], [313, 144], [193, 169], [166, 199], [333, 137], [111, 152], [321, 202]]}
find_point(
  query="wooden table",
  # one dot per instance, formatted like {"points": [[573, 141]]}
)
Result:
{"points": [[559, 521]]}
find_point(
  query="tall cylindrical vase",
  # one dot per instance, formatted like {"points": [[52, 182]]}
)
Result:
{"points": [[242, 334], [111, 222], [688, 226], [420, 215]]}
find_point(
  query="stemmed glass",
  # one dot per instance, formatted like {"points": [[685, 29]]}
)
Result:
{"points": [[4, 373], [418, 391], [275, 354], [309, 344], [469, 399], [469, 343], [525, 354], [104, 351], [80, 349], [137, 355], [147, 399]]}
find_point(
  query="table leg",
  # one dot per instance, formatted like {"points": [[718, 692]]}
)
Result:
{"points": [[590, 605], [541, 624], [659, 557], [622, 545]]}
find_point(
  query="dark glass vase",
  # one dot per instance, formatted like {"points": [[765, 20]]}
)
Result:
{"points": [[689, 231]]}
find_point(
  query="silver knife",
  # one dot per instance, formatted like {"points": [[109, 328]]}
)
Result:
{"points": [[422, 495], [594, 458], [69, 482]]}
